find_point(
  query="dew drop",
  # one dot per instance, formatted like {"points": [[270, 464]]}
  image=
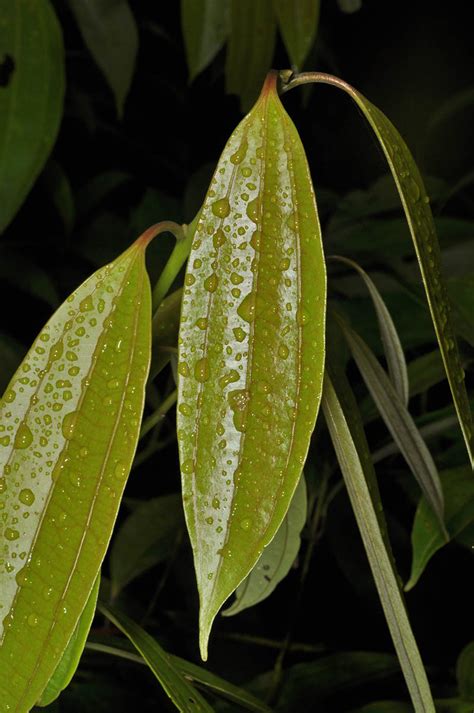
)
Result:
{"points": [[9, 396], [230, 378], [236, 279], [189, 280], [201, 370], [211, 282], [183, 369], [188, 466], [221, 208], [253, 210], [185, 409], [246, 524], [239, 155], [283, 351], [201, 323], [218, 239], [23, 437], [68, 425], [11, 534], [86, 305], [246, 309], [33, 620], [26, 496], [120, 470]]}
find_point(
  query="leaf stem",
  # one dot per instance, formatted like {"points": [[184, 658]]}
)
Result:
{"points": [[175, 262], [159, 414]]}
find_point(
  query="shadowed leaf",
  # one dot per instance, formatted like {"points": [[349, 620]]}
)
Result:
{"points": [[205, 26]]}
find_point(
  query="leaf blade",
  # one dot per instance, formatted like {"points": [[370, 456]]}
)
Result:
{"points": [[298, 24], [205, 26]]}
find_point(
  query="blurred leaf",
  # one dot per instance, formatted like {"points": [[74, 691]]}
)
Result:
{"points": [[185, 697], [165, 327], [57, 186], [276, 559], [384, 707], [18, 269], [427, 536], [453, 705], [298, 24], [205, 26], [31, 100], [354, 461], [250, 48], [454, 104], [461, 292], [101, 239], [465, 672], [110, 33], [92, 194], [11, 354], [349, 6], [145, 539], [69, 662]]}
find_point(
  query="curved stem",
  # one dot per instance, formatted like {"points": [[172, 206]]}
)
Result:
{"points": [[311, 77], [160, 413]]}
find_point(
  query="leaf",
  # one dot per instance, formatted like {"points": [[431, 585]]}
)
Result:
{"points": [[276, 559], [180, 691], [31, 101], [110, 33], [465, 672], [69, 662], [398, 421], [298, 24], [19, 270], [69, 424], [165, 328], [420, 222], [396, 363], [384, 707], [251, 350], [250, 46], [56, 185], [427, 536], [205, 25], [145, 539], [354, 461]]}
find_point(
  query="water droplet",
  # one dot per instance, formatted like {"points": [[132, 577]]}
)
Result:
{"points": [[33, 620], [4, 440], [68, 424], [238, 401], [3, 485], [221, 208], [26, 496], [188, 466], [219, 239], [11, 534], [201, 370], [216, 503], [211, 282], [23, 437], [239, 334], [183, 369], [86, 305], [253, 210], [246, 309], [201, 323], [9, 396], [209, 520], [236, 279], [230, 378], [246, 523], [185, 409], [239, 155], [120, 470], [283, 351]]}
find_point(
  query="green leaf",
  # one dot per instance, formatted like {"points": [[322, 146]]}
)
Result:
{"points": [[31, 102], [354, 461], [251, 350], [298, 24], [250, 48], [420, 222], [465, 672], [165, 328], [427, 536], [110, 33], [145, 539], [56, 185], [396, 363], [69, 424], [205, 26], [384, 707], [398, 421], [181, 692], [276, 559], [69, 662]]}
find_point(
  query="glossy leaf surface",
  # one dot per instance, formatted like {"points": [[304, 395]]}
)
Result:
{"points": [[69, 425], [69, 661], [251, 349], [298, 22], [205, 26], [110, 33], [276, 559], [31, 101]]}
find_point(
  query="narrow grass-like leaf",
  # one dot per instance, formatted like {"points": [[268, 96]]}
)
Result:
{"points": [[298, 23], [427, 536], [354, 460], [145, 539], [420, 222], [31, 100], [251, 43], [398, 421], [69, 662], [276, 559], [69, 424], [185, 697], [251, 349], [205, 26], [397, 367], [110, 33]]}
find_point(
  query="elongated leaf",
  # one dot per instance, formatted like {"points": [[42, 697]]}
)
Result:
{"points": [[250, 48], [427, 536], [205, 26], [465, 672], [182, 693], [31, 102], [398, 421], [145, 539], [420, 222], [69, 424], [397, 367], [251, 350], [69, 662], [276, 559], [298, 22], [354, 460], [110, 33]]}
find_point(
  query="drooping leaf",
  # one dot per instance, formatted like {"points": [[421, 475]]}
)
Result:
{"points": [[465, 672], [276, 559], [69, 424], [145, 539], [420, 222], [354, 460], [298, 23], [69, 662], [427, 536], [250, 48], [251, 349], [110, 33], [205, 26], [31, 100], [185, 697]]}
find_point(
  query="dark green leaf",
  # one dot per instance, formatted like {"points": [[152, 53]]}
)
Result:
{"points": [[465, 672], [298, 23], [205, 26]]}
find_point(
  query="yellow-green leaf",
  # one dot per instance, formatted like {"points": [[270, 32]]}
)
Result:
{"points": [[298, 23], [251, 349], [31, 101], [69, 424]]}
